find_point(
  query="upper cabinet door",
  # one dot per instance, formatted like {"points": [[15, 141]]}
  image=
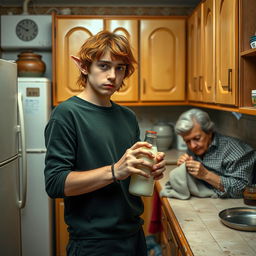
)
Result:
{"points": [[162, 63], [192, 88], [226, 51], [128, 28], [195, 55], [70, 35], [209, 51]]}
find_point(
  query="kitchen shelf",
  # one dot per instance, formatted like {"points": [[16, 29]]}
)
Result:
{"points": [[248, 53], [217, 107], [248, 110]]}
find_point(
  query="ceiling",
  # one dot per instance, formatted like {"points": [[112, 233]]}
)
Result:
{"points": [[187, 3]]}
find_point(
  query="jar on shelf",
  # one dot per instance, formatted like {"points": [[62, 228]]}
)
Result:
{"points": [[30, 64], [249, 195]]}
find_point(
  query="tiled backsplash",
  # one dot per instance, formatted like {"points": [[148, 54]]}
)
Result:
{"points": [[225, 122], [228, 124]]}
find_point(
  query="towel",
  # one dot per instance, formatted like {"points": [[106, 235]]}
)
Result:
{"points": [[182, 185], [155, 221]]}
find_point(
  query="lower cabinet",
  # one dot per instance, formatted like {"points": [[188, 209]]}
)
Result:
{"points": [[172, 239], [61, 228], [168, 240]]}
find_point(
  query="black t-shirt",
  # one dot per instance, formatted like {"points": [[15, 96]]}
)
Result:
{"points": [[82, 136]]}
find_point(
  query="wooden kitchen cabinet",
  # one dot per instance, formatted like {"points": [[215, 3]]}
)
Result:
{"points": [[160, 43], [229, 63], [162, 61], [195, 55], [61, 228], [213, 53], [247, 11], [172, 239], [208, 31], [168, 240], [226, 12], [130, 29], [70, 33]]}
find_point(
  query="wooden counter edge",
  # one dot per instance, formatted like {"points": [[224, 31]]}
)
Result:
{"points": [[181, 237]]}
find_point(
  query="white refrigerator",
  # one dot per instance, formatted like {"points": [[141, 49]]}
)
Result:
{"points": [[37, 225], [12, 176], [26, 212]]}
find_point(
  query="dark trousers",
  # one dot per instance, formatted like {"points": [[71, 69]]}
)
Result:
{"points": [[130, 246]]}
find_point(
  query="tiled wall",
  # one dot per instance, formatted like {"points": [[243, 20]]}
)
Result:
{"points": [[103, 10], [225, 122]]}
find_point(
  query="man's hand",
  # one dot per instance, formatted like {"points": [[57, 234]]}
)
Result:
{"points": [[131, 162], [159, 167]]}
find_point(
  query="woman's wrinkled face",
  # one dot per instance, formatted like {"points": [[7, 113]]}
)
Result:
{"points": [[197, 140]]}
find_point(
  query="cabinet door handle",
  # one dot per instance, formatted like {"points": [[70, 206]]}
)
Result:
{"points": [[229, 79], [200, 83], [229, 86], [194, 85], [144, 86]]}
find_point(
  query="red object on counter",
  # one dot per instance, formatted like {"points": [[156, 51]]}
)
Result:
{"points": [[155, 222]]}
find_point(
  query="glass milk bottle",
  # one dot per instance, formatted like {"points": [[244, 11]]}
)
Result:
{"points": [[140, 185]]}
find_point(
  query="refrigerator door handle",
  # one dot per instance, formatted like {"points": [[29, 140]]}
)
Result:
{"points": [[23, 154]]}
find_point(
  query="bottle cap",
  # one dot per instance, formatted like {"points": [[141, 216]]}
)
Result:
{"points": [[153, 132]]}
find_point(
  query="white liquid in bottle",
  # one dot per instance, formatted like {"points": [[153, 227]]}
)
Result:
{"points": [[140, 185]]}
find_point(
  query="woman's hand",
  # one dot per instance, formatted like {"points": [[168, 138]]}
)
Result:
{"points": [[184, 158], [196, 169]]}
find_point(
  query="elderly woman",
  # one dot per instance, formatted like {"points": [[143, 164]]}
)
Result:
{"points": [[224, 163]]}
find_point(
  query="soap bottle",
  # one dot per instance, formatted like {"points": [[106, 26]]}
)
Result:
{"points": [[140, 185]]}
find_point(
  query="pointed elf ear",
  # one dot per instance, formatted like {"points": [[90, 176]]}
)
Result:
{"points": [[79, 64]]}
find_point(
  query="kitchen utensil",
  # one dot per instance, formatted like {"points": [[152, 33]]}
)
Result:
{"points": [[240, 218]]}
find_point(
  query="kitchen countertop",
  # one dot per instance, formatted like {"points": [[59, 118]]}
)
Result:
{"points": [[200, 223]]}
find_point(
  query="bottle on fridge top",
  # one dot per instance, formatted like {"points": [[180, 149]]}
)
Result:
{"points": [[140, 185]]}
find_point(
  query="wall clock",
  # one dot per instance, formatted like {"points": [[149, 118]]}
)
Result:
{"points": [[26, 30], [20, 32]]}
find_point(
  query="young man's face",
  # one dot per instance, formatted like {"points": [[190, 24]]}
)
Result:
{"points": [[106, 75], [197, 140]]}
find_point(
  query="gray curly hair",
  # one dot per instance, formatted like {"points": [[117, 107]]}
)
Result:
{"points": [[187, 119]]}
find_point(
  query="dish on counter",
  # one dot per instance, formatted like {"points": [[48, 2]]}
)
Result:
{"points": [[240, 218]]}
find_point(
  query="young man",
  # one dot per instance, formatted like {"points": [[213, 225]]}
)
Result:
{"points": [[92, 150], [224, 162]]}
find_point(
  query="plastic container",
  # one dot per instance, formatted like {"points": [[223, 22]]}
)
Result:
{"points": [[140, 185]]}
